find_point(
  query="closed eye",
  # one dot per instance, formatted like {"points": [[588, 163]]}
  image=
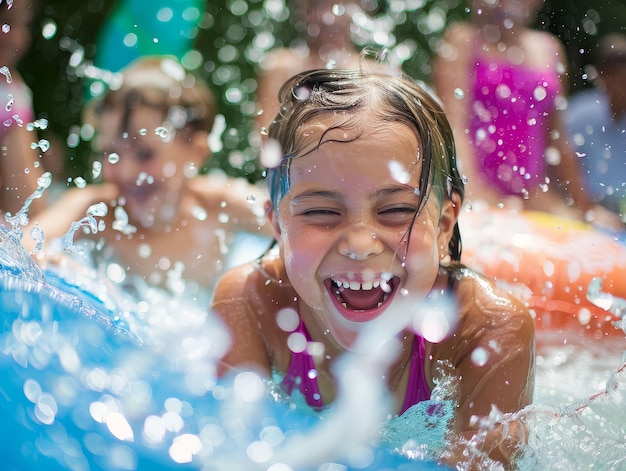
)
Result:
{"points": [[325, 217], [397, 215], [320, 212]]}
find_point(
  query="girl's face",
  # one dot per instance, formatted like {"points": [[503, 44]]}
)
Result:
{"points": [[343, 226], [148, 163]]}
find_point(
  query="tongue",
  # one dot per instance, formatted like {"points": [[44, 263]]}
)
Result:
{"points": [[362, 300]]}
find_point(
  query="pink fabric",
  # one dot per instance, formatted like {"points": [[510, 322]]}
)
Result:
{"points": [[302, 374], [16, 108], [417, 390], [510, 109]]}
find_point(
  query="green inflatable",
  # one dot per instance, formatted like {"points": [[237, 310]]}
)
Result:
{"points": [[137, 28]]}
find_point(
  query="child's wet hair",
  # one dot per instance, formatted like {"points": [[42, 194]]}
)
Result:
{"points": [[391, 98], [162, 83]]}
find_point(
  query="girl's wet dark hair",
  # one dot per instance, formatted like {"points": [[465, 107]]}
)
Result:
{"points": [[390, 98]]}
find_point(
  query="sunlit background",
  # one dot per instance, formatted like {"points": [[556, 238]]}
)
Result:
{"points": [[234, 35]]}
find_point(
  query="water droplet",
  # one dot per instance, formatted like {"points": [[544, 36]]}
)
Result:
{"points": [[143, 177], [121, 222], [184, 447], [199, 213], [38, 124], [96, 169], [297, 342], [271, 154], [287, 319], [399, 172], [480, 356], [44, 145], [98, 210], [119, 426], [4, 70], [302, 93], [10, 102], [115, 272], [248, 387], [190, 170], [46, 409], [113, 158], [540, 93], [80, 182], [162, 132], [144, 250], [38, 237], [459, 94], [45, 180], [32, 390], [143, 132]]}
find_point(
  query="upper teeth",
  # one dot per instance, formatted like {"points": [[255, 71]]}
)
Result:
{"points": [[356, 285]]}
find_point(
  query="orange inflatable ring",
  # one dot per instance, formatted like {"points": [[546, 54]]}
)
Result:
{"points": [[570, 274]]}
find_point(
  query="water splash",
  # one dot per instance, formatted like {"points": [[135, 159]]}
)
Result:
{"points": [[41, 124], [43, 144], [10, 102], [89, 221], [20, 219], [606, 301], [4, 70], [121, 222]]}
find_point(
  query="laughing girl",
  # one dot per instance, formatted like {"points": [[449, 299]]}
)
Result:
{"points": [[364, 206]]}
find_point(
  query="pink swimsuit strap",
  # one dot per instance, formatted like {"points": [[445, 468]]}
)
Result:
{"points": [[303, 375], [417, 389]]}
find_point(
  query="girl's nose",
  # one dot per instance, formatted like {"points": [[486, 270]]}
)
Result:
{"points": [[360, 243]]}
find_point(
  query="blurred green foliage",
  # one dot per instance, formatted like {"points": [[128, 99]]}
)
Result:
{"points": [[233, 37]]}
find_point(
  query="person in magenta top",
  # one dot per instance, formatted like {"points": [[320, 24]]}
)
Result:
{"points": [[365, 196], [511, 110], [503, 86]]}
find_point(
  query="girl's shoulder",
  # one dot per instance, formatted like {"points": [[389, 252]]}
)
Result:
{"points": [[261, 282], [460, 34], [489, 318], [482, 302], [543, 46]]}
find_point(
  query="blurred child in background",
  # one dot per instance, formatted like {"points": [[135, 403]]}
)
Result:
{"points": [[503, 87], [164, 218]]}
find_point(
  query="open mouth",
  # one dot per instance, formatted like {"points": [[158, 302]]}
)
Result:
{"points": [[361, 301]]}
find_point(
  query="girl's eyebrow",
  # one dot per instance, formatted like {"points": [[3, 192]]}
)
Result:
{"points": [[329, 194], [384, 192], [338, 196]]}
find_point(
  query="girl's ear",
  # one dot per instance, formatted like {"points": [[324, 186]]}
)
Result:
{"points": [[200, 148], [449, 216], [272, 217]]}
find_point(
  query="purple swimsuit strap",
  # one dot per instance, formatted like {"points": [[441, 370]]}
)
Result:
{"points": [[417, 389], [303, 375]]}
